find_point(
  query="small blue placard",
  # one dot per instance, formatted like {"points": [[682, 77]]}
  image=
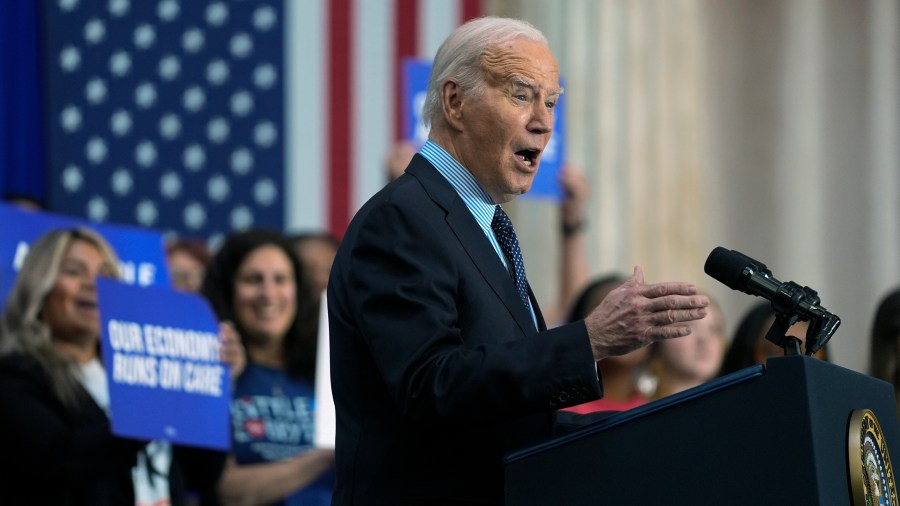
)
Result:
{"points": [[141, 252], [416, 73], [546, 182], [161, 351]]}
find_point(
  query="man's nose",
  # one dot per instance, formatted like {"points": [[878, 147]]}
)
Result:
{"points": [[542, 119]]}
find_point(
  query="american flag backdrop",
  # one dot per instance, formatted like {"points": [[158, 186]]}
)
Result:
{"points": [[199, 117]]}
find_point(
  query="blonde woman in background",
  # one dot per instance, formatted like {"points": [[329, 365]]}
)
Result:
{"points": [[54, 391]]}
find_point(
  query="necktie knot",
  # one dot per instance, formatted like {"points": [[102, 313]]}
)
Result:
{"points": [[509, 244]]}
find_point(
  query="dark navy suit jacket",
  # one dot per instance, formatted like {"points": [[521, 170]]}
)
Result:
{"points": [[437, 367]]}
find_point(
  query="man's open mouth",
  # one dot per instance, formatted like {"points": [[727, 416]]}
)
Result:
{"points": [[528, 156]]}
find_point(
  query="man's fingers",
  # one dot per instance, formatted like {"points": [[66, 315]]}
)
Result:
{"points": [[636, 279], [671, 316], [670, 332], [657, 290], [670, 302]]}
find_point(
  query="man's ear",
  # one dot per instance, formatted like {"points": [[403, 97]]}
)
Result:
{"points": [[452, 103]]}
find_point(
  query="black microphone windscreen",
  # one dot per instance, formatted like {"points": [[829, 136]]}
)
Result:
{"points": [[727, 266]]}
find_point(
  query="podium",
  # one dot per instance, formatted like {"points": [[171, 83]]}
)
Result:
{"points": [[773, 435]]}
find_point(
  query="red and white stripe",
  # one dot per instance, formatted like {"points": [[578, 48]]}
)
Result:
{"points": [[343, 70]]}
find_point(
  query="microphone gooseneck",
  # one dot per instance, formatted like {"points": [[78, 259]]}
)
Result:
{"points": [[790, 301]]}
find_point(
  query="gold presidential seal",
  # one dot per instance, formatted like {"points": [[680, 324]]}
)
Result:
{"points": [[871, 475]]}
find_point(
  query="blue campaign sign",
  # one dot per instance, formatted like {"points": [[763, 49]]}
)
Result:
{"points": [[161, 351], [416, 73], [141, 252], [546, 182]]}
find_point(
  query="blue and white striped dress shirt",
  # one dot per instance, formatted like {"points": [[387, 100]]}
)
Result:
{"points": [[473, 195]]}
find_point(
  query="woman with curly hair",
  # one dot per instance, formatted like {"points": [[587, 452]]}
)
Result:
{"points": [[256, 282]]}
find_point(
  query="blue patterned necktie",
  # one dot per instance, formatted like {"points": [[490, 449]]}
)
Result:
{"points": [[506, 236]]}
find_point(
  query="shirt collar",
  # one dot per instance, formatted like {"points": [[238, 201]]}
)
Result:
{"points": [[472, 193]]}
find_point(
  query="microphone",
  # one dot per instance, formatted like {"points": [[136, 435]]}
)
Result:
{"points": [[789, 300]]}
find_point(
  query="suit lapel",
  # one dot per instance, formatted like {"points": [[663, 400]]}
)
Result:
{"points": [[541, 324], [472, 238]]}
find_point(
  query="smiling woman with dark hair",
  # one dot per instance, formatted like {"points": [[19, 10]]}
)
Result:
{"points": [[256, 282]]}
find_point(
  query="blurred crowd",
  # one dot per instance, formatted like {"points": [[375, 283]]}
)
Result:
{"points": [[266, 289]]}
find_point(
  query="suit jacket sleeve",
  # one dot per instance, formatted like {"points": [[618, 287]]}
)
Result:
{"points": [[442, 340]]}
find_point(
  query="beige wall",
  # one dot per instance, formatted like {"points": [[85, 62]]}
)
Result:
{"points": [[767, 126]]}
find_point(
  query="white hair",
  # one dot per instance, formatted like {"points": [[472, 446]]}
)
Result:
{"points": [[459, 57]]}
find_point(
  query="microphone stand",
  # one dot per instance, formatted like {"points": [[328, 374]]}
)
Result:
{"points": [[778, 334], [786, 304], [822, 323], [790, 301], [821, 328]]}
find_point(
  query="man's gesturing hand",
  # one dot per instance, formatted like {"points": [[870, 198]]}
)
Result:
{"points": [[635, 315]]}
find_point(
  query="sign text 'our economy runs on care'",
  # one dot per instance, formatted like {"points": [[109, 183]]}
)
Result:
{"points": [[165, 357]]}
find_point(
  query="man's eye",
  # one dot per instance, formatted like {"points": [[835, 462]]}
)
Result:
{"points": [[520, 97]]}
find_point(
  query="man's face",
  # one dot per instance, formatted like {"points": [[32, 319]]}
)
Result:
{"points": [[505, 129]]}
